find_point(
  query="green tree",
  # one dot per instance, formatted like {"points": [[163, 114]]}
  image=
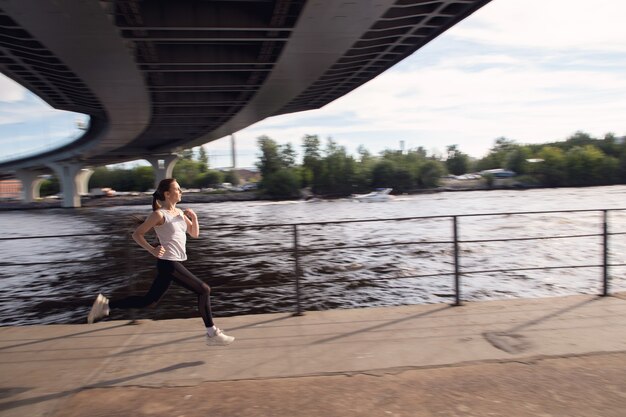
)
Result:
{"points": [[579, 139], [583, 165], [403, 180], [270, 159], [283, 183], [143, 178], [430, 172], [210, 178], [232, 177], [100, 178], [287, 155], [457, 162], [622, 162], [337, 171], [609, 170], [383, 174], [516, 160], [363, 170], [498, 155], [203, 158], [311, 161], [121, 179], [186, 172], [551, 170], [49, 186]]}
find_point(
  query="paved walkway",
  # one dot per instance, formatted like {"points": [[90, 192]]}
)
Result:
{"points": [[542, 357]]}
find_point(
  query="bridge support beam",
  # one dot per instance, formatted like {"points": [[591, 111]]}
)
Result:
{"points": [[68, 174], [31, 183], [163, 166], [82, 180]]}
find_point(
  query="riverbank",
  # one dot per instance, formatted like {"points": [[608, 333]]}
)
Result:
{"points": [[447, 185], [129, 200]]}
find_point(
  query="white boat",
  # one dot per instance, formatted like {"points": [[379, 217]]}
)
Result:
{"points": [[381, 194]]}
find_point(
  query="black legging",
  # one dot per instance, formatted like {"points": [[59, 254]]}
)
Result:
{"points": [[169, 271]]}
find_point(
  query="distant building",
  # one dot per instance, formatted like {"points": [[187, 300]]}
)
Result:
{"points": [[246, 175], [10, 189]]}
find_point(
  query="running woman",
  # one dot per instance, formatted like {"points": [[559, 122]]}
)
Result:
{"points": [[171, 225]]}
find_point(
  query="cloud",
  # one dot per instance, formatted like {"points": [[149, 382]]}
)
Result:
{"points": [[10, 91], [520, 100], [554, 24]]}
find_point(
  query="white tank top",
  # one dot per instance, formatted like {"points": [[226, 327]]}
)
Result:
{"points": [[172, 236]]}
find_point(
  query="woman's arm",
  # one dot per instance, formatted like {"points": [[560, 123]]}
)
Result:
{"points": [[153, 219], [193, 227]]}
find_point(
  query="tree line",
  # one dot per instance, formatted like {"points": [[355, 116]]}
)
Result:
{"points": [[329, 170], [580, 160]]}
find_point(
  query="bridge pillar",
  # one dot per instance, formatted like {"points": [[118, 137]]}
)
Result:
{"points": [[68, 174], [82, 180], [31, 183], [163, 166]]}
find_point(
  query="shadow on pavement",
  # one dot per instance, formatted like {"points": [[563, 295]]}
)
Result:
{"points": [[29, 401]]}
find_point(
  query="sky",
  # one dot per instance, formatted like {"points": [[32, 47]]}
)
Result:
{"points": [[532, 71]]}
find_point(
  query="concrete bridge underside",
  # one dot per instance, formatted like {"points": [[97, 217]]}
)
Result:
{"points": [[156, 77]]}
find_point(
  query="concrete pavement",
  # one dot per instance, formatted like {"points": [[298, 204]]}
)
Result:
{"points": [[409, 360]]}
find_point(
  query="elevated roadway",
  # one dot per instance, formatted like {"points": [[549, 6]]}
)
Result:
{"points": [[156, 77]]}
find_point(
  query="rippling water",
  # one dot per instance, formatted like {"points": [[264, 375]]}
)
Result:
{"points": [[335, 274]]}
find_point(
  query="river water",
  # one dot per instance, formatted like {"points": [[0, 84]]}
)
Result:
{"points": [[343, 265]]}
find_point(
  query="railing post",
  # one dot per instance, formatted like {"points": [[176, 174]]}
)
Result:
{"points": [[127, 269], [605, 256], [457, 278], [298, 272]]}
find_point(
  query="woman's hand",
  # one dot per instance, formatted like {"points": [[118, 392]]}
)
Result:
{"points": [[193, 228], [191, 214], [158, 251]]}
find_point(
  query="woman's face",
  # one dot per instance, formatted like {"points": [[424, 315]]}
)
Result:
{"points": [[174, 194]]}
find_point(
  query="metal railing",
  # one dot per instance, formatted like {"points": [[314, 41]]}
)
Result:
{"points": [[297, 251]]}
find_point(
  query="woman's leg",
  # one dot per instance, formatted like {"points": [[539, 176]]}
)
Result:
{"points": [[188, 280], [159, 286]]}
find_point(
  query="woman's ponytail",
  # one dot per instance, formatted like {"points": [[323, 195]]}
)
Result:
{"points": [[155, 201]]}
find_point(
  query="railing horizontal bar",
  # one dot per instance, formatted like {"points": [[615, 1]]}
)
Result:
{"points": [[513, 213], [397, 219], [46, 263], [373, 245], [56, 236], [441, 274], [255, 253], [528, 238], [226, 226], [530, 269], [305, 251], [242, 227], [239, 287]]}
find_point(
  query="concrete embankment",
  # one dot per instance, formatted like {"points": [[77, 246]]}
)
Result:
{"points": [[540, 357], [132, 200]]}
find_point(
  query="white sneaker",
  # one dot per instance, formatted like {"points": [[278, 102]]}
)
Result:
{"points": [[99, 309], [220, 339]]}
